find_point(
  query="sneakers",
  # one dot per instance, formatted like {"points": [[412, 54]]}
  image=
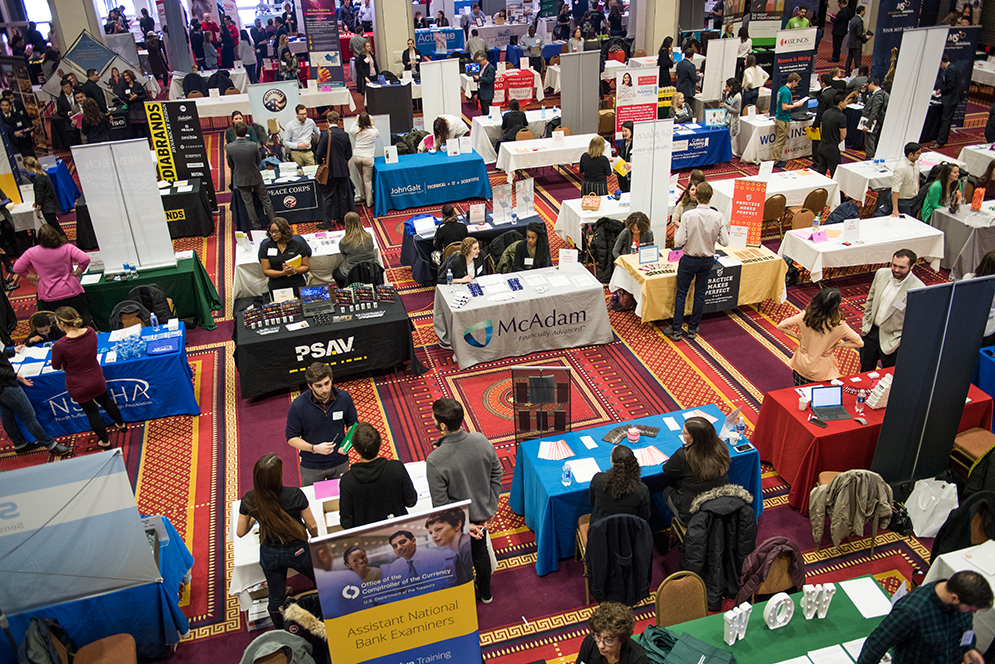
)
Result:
{"points": [[672, 334], [692, 333], [60, 450], [487, 600]]}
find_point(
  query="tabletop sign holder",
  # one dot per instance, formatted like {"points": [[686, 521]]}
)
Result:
{"points": [[464, 145], [851, 230], [559, 138], [477, 213], [406, 76], [568, 258], [390, 154], [525, 198], [766, 170], [649, 254], [502, 203], [738, 236], [452, 147], [541, 401]]}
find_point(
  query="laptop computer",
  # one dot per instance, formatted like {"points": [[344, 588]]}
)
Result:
{"points": [[827, 403]]}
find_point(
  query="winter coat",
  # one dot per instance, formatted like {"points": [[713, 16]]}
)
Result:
{"points": [[982, 475], [606, 231], [757, 566], [295, 648], [721, 534], [619, 556], [852, 499], [955, 533], [302, 616]]}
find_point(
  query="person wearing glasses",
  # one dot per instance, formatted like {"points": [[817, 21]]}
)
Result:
{"points": [[279, 254], [610, 639]]}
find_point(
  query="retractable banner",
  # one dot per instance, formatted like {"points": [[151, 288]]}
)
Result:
{"points": [[894, 18], [178, 143], [961, 44], [400, 590], [765, 21], [324, 50], [794, 53], [635, 99]]}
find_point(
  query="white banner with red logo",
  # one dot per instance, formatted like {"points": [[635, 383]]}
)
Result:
{"points": [[518, 84], [635, 96]]}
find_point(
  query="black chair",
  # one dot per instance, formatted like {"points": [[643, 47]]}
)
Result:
{"points": [[366, 272]]}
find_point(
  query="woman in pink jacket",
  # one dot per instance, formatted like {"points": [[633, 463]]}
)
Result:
{"points": [[820, 331], [55, 266]]}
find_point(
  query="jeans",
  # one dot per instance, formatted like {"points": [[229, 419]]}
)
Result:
{"points": [[92, 411], [250, 71], [697, 268], [276, 559], [14, 403], [905, 206], [481, 564]]}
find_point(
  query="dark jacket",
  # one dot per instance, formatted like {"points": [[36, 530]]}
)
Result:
{"points": [[457, 264], [243, 160], [950, 87], [606, 231], [687, 79], [857, 32], [194, 82], [632, 652], [96, 93], [982, 475], [841, 21], [595, 169], [619, 553], [686, 487], [45, 195], [136, 107], [512, 123], [721, 533], [758, 563], [220, 80], [197, 45], [665, 62], [990, 126], [373, 491], [446, 234], [604, 504], [366, 70], [955, 533], [341, 152], [485, 84], [825, 98], [99, 132]]}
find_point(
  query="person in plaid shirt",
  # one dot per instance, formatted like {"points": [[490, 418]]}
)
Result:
{"points": [[932, 624]]}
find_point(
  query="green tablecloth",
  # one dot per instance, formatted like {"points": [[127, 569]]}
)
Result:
{"points": [[762, 645], [187, 284]]}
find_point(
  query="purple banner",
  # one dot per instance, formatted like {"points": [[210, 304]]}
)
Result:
{"points": [[321, 29], [961, 44]]}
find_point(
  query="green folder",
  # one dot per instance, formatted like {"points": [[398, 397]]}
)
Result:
{"points": [[347, 443]]}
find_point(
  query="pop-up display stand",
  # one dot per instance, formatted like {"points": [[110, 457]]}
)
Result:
{"points": [[440, 90], [652, 145], [580, 83]]}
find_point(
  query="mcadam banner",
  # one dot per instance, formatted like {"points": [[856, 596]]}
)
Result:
{"points": [[178, 143], [894, 17], [400, 590]]}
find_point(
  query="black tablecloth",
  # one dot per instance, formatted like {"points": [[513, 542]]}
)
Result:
{"points": [[931, 125], [189, 213], [274, 362], [854, 137], [298, 202], [392, 100], [120, 125], [86, 239]]}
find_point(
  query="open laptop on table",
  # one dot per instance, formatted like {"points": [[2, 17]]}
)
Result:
{"points": [[827, 403]]}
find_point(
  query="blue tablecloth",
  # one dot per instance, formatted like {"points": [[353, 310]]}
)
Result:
{"points": [[65, 186], [150, 613], [425, 39], [513, 54], [551, 510], [984, 375], [428, 179], [705, 147], [145, 388]]}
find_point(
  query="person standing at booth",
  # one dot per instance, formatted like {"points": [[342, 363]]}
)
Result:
{"points": [[46, 200], [858, 36], [298, 135], [950, 94], [243, 159], [485, 83], [905, 181], [334, 146], [316, 426], [873, 115], [884, 311]]}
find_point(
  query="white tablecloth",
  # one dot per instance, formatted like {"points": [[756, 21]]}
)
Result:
{"points": [[23, 213], [469, 86], [225, 105], [552, 78], [984, 73], [238, 78], [795, 185], [857, 177], [485, 132], [880, 238], [612, 68], [499, 36], [651, 61], [756, 138], [570, 220], [250, 281], [948, 564], [976, 158], [541, 152]]}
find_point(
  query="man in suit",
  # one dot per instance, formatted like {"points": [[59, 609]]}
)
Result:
{"points": [[884, 312], [64, 132], [687, 75], [858, 37], [337, 193], [485, 83], [94, 91], [873, 114], [950, 94], [19, 127], [243, 159], [841, 23]]}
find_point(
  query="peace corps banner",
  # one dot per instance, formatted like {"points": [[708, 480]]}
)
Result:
{"points": [[961, 44], [636, 97], [400, 590], [794, 53], [894, 17], [276, 100]]}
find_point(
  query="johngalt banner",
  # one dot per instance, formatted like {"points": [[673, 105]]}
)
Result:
{"points": [[794, 53], [635, 97], [324, 50], [178, 143], [894, 18], [400, 590]]}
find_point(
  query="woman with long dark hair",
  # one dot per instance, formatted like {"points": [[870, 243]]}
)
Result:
{"points": [[701, 464], [820, 330], [95, 126], [284, 522], [687, 201], [227, 49], [563, 23], [533, 252], [743, 49], [247, 54], [665, 60], [619, 490], [987, 181], [133, 93], [625, 154], [944, 190], [732, 101]]}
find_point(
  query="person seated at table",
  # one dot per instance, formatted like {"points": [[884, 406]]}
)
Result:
{"points": [[754, 78], [595, 169], [576, 43], [512, 122], [466, 264], [987, 181], [619, 490], [440, 20], [680, 111], [637, 231], [289, 69], [476, 12], [533, 48], [356, 559], [95, 127], [533, 252], [411, 57], [839, 82], [819, 330], [55, 266], [944, 190], [475, 44], [610, 639], [356, 247], [277, 250], [46, 200], [859, 81], [237, 117], [367, 69], [700, 465], [591, 43], [421, 23], [501, 16], [42, 331], [450, 230], [732, 101]]}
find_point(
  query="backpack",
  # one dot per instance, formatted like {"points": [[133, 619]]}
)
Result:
{"points": [[408, 143], [37, 647], [551, 126], [154, 299], [847, 210], [920, 198]]}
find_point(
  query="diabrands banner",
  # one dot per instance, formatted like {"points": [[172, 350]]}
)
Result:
{"points": [[404, 593], [894, 18], [961, 44], [635, 98], [324, 50], [765, 21], [178, 143], [794, 53]]}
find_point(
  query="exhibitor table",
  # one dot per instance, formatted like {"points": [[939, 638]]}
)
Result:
{"points": [[485, 132], [977, 157], [297, 199], [856, 178], [740, 277], [250, 281], [188, 209], [540, 152], [700, 146], [225, 105], [430, 40], [949, 564], [238, 78], [505, 323], [880, 238], [65, 187], [144, 388], [23, 214], [520, 84], [571, 219], [800, 450], [393, 100], [187, 284], [967, 237], [274, 362], [551, 510], [499, 36], [756, 139], [794, 185], [418, 180], [416, 250], [984, 73], [761, 645]]}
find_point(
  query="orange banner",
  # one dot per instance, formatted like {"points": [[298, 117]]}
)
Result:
{"points": [[748, 198]]}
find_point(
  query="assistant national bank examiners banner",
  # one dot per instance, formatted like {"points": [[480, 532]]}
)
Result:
{"points": [[178, 143], [400, 591]]}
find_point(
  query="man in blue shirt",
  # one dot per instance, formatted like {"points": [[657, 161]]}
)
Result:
{"points": [[782, 118], [316, 426]]}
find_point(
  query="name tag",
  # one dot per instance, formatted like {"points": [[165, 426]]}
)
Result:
{"points": [[271, 251], [900, 305], [529, 262], [968, 638], [337, 415]]}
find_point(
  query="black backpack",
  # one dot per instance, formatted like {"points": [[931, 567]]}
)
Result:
{"points": [[154, 299], [37, 646]]}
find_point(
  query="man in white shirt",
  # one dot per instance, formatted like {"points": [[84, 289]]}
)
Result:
{"points": [[884, 312], [905, 181], [366, 16], [700, 229], [533, 48], [297, 137]]}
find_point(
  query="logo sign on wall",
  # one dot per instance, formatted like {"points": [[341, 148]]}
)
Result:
{"points": [[635, 99], [274, 100], [178, 143]]}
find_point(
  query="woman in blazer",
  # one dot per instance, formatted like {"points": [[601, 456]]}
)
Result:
{"points": [[367, 70]]}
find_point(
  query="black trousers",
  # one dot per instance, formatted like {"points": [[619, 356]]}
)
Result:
{"points": [[338, 199], [831, 157], [485, 105], [854, 55], [946, 120], [77, 302], [690, 268], [52, 220], [905, 205], [871, 352], [481, 564], [837, 46], [817, 158], [92, 410]]}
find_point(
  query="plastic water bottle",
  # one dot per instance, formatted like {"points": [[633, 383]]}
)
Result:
{"points": [[449, 277], [127, 271], [514, 216], [155, 322], [134, 271], [816, 223], [861, 398], [566, 477], [635, 247], [740, 428], [542, 113]]}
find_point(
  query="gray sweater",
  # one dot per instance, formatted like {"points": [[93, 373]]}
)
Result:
{"points": [[465, 466]]}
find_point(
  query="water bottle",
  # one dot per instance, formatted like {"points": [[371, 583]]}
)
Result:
{"points": [[449, 277], [134, 271], [740, 428], [635, 247], [816, 223], [127, 271], [542, 113], [155, 322], [514, 216], [566, 477], [861, 398]]}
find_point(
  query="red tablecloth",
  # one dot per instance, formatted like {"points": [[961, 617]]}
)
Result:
{"points": [[800, 451], [344, 38], [269, 73], [515, 84]]}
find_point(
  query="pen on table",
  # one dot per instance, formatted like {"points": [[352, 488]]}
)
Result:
{"points": [[702, 660], [525, 621]]}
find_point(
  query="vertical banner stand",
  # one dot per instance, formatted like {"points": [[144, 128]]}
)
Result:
{"points": [[652, 144], [580, 82], [440, 81]]}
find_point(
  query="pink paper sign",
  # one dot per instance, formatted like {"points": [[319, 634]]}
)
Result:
{"points": [[675, 255], [818, 236], [326, 489]]}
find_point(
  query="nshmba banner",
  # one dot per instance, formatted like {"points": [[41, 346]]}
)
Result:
{"points": [[400, 590]]}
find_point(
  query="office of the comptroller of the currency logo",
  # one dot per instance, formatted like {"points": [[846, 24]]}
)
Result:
{"points": [[487, 326]]}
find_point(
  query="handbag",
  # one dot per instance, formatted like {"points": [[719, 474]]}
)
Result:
{"points": [[321, 175], [929, 505], [900, 521]]}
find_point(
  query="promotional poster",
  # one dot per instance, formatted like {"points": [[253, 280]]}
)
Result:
{"points": [[894, 17], [323, 47], [960, 48], [765, 21], [178, 143], [273, 101], [635, 97], [794, 53]]}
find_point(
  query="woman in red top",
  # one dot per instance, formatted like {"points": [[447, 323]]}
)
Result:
{"points": [[76, 354]]}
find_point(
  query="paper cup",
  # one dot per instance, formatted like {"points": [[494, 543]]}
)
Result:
{"points": [[802, 403]]}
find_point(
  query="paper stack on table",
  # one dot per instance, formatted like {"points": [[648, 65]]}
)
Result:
{"points": [[649, 456], [554, 450], [867, 597], [700, 413], [584, 470]]}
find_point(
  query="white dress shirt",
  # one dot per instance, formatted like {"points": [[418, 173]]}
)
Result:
{"points": [[366, 141], [700, 229]]}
